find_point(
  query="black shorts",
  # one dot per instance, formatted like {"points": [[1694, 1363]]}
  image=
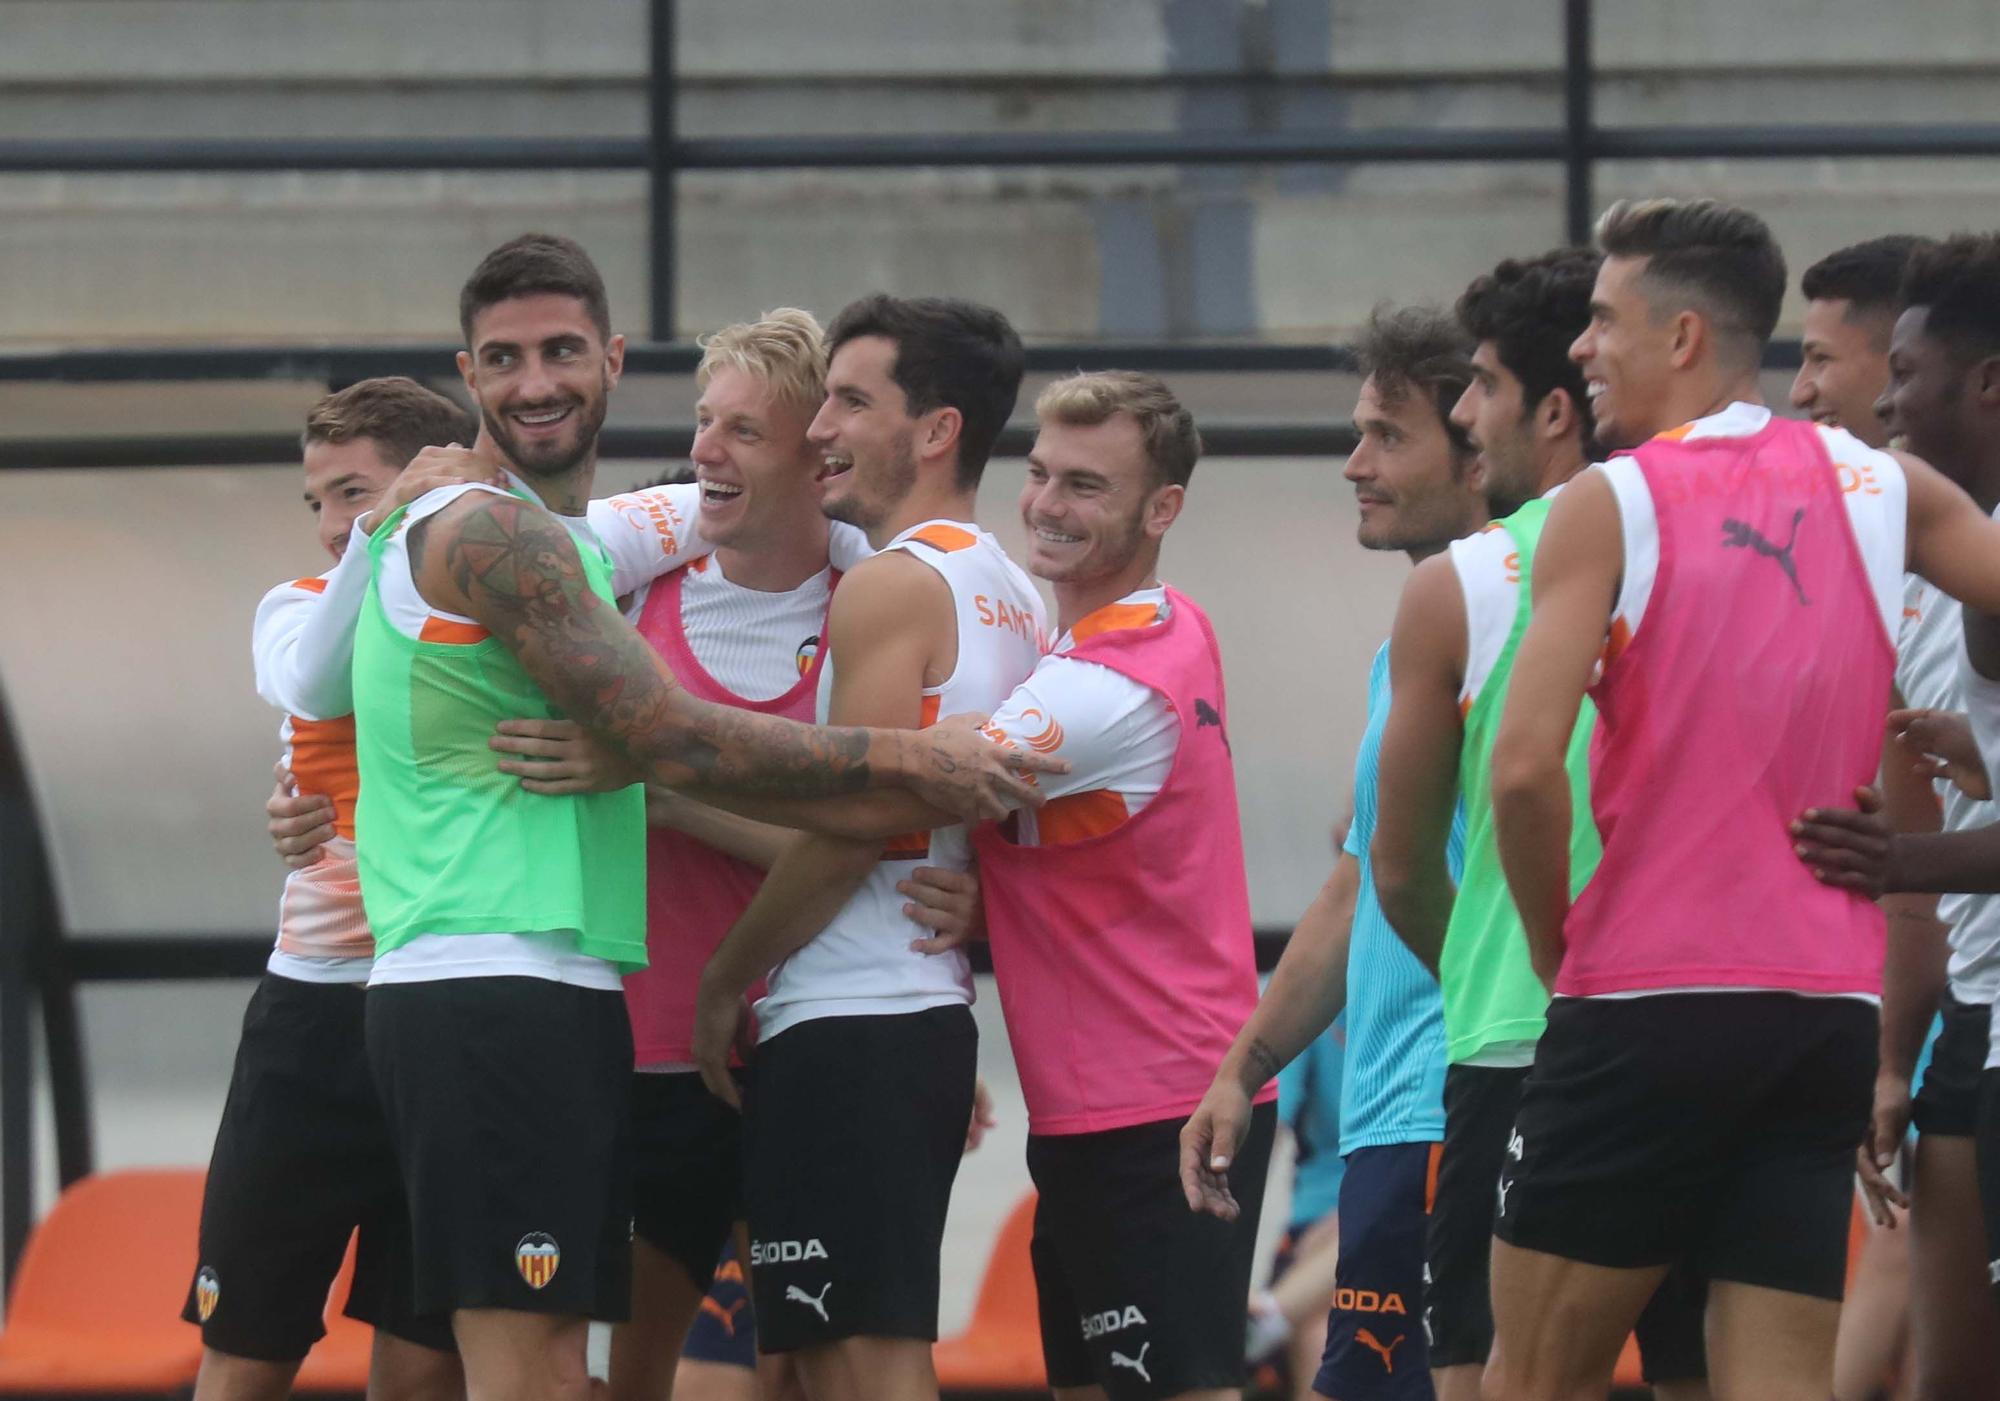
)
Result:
{"points": [[852, 1132], [1480, 1103], [1713, 1128], [509, 1101], [1947, 1102], [1139, 1295], [302, 1159], [1375, 1347], [687, 1170], [725, 1329]]}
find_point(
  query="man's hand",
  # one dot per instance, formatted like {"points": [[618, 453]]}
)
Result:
{"points": [[1886, 1129], [721, 1025], [1850, 848], [1209, 1140], [947, 903], [983, 1117], [299, 824], [559, 757], [954, 767], [1939, 744], [450, 465]]}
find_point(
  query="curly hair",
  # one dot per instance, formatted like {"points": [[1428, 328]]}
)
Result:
{"points": [[1532, 310], [1957, 282], [1418, 348]]}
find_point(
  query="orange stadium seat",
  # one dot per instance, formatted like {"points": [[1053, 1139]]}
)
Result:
{"points": [[338, 1363], [1002, 1349], [97, 1302]]}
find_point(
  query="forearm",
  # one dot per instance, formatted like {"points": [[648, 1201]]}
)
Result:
{"points": [[872, 816], [1306, 992], [1531, 816], [809, 882], [1913, 980], [1417, 900], [1943, 863], [757, 843]]}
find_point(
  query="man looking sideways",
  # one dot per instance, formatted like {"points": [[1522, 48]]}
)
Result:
{"points": [[1420, 486], [1457, 630]]}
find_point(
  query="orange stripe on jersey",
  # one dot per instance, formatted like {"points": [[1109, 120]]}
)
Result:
{"points": [[1674, 435], [1618, 641], [322, 760], [914, 846], [1431, 1178], [946, 537], [1113, 617], [310, 585], [1079, 816], [450, 630]]}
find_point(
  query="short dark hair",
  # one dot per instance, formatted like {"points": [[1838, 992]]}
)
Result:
{"points": [[535, 264], [1533, 309], [949, 354], [1418, 347], [1957, 282], [1172, 442], [398, 415], [1867, 276], [1721, 259]]}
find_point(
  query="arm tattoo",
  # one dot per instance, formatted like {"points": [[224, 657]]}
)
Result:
{"points": [[522, 578], [1263, 1057]]}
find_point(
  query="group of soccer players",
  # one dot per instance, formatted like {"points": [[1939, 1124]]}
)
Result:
{"points": [[605, 936]]}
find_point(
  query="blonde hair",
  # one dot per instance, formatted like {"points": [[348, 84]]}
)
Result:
{"points": [[785, 348], [1167, 429]]}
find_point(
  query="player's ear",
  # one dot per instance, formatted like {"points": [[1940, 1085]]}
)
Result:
{"points": [[1164, 508], [942, 431], [1557, 414], [614, 361], [465, 373], [1690, 330], [1986, 381]]}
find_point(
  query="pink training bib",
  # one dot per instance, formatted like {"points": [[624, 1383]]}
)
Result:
{"points": [[1754, 688], [693, 892], [1125, 961]]}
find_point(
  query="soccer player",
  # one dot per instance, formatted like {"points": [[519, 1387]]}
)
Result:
{"points": [[864, 1074], [496, 1021], [1453, 647], [1852, 298], [1705, 1072], [1420, 486], [302, 1157], [1937, 403]]}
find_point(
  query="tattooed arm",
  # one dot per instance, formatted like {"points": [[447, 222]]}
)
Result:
{"points": [[513, 568], [1306, 992]]}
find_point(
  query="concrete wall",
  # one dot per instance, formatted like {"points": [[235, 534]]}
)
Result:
{"points": [[1294, 251]]}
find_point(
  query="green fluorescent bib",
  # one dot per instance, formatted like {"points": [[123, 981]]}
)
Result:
{"points": [[1491, 993], [450, 845]]}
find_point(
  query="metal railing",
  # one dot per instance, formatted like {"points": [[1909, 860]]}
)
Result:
{"points": [[41, 962]]}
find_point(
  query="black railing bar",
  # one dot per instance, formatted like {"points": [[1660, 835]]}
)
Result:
{"points": [[666, 443], [92, 364], [1944, 140]]}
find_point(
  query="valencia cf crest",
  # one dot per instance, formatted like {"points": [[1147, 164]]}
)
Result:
{"points": [[207, 1292], [537, 1257], [808, 651]]}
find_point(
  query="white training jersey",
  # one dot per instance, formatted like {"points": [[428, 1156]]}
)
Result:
{"points": [[1876, 495], [1928, 658], [754, 642], [323, 933], [861, 963], [302, 641], [1488, 567], [1872, 486], [652, 532], [1119, 736]]}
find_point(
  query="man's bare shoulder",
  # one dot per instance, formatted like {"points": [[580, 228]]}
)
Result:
{"points": [[890, 589]]}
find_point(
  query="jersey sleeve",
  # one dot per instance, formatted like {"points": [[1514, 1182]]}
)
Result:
{"points": [[649, 533], [1116, 734], [302, 643]]}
